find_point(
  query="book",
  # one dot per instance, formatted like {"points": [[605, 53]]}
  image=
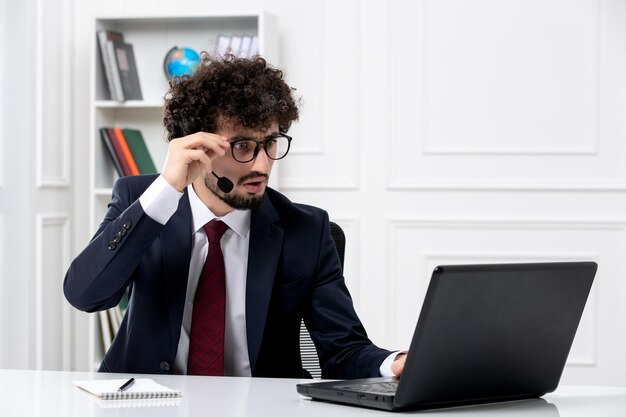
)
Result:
{"points": [[107, 53], [142, 388], [235, 44], [117, 150], [254, 46], [127, 70], [113, 319], [119, 313], [139, 150], [221, 46], [123, 305], [127, 156], [107, 143], [105, 330], [246, 41]]}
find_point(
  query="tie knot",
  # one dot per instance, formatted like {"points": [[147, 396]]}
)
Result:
{"points": [[214, 230]]}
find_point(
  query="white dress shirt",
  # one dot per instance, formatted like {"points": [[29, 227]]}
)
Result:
{"points": [[160, 202]]}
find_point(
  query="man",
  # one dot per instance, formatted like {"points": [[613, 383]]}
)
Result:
{"points": [[221, 269]]}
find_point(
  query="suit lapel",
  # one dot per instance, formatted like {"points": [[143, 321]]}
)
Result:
{"points": [[266, 239], [176, 254]]}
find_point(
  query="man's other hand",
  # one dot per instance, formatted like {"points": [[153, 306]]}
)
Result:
{"points": [[398, 364]]}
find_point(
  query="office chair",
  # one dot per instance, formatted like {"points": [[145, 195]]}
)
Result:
{"points": [[308, 353]]}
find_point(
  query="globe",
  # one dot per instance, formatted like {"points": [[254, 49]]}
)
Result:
{"points": [[180, 61]]}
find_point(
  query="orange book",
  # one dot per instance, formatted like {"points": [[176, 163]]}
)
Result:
{"points": [[126, 151]]}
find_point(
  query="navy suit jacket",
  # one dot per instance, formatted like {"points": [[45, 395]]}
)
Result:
{"points": [[293, 273]]}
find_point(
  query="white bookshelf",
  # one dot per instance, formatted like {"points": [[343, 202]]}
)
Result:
{"points": [[152, 37]]}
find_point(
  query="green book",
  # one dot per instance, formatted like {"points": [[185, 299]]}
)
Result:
{"points": [[138, 148]]}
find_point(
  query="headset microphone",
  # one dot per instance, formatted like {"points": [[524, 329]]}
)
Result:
{"points": [[223, 183]]}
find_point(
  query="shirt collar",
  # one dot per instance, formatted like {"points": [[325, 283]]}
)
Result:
{"points": [[237, 220]]}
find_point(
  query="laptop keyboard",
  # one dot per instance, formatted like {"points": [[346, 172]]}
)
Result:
{"points": [[377, 387]]}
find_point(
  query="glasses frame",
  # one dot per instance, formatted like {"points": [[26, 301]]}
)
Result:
{"points": [[260, 143]]}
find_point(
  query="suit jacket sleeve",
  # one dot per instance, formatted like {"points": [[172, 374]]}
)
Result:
{"points": [[344, 349], [99, 275]]}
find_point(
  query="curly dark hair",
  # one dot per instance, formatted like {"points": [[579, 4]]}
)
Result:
{"points": [[247, 92]]}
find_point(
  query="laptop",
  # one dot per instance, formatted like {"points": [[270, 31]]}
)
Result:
{"points": [[486, 333]]}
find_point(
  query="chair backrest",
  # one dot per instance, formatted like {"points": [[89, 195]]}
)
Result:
{"points": [[340, 240], [308, 353]]}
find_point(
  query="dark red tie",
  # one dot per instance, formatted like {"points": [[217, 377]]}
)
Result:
{"points": [[206, 341]]}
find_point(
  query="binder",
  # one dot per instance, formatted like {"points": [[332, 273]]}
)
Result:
{"points": [[139, 150]]}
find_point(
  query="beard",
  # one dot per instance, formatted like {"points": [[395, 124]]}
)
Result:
{"points": [[236, 201]]}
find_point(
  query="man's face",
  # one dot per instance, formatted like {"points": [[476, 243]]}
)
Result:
{"points": [[249, 178]]}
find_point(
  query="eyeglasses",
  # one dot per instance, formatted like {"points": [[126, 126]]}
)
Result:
{"points": [[245, 150]]}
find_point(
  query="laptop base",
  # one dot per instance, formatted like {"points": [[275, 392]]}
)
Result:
{"points": [[331, 392]]}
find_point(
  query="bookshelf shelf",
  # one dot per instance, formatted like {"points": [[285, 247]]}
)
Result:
{"points": [[152, 37], [109, 104]]}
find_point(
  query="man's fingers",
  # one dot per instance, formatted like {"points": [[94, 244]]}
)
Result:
{"points": [[202, 140], [200, 156]]}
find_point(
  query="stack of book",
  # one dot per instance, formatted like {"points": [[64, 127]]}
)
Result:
{"points": [[128, 151], [110, 321], [120, 68], [243, 46]]}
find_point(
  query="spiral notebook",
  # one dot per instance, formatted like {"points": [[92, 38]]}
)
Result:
{"points": [[140, 403], [106, 389]]}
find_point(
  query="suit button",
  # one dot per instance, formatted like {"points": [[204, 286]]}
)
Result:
{"points": [[122, 232], [116, 239], [165, 366], [127, 224], [112, 245]]}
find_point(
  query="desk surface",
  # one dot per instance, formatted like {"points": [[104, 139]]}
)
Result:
{"points": [[49, 393]]}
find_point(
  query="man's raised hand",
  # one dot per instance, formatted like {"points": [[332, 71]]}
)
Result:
{"points": [[189, 156]]}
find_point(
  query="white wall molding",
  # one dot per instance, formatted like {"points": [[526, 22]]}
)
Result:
{"points": [[593, 140], [591, 150], [316, 144], [515, 158], [312, 184], [416, 244], [506, 222], [3, 17], [53, 31], [589, 144], [3, 290], [575, 184], [52, 316], [336, 146], [587, 333]]}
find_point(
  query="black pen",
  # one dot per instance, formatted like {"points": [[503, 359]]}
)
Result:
{"points": [[126, 385]]}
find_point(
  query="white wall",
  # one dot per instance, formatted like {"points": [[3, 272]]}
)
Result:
{"points": [[2, 139], [35, 184], [439, 132], [14, 224]]}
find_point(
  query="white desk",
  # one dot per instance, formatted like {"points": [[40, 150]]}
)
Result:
{"points": [[47, 393]]}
